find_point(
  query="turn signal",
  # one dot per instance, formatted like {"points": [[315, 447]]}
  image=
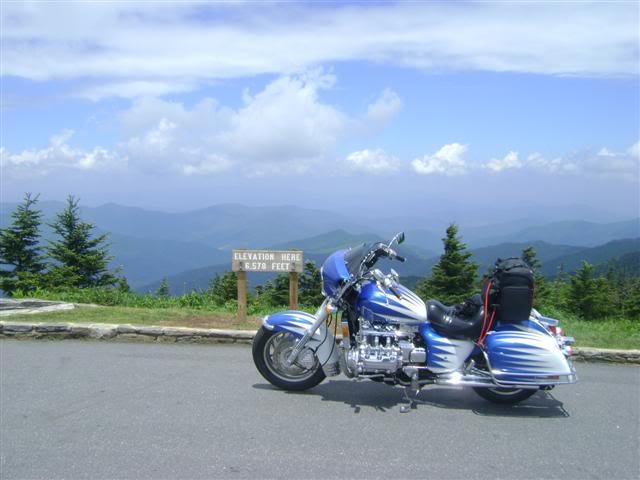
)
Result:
{"points": [[330, 308]]}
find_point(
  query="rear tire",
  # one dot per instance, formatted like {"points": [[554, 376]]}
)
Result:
{"points": [[505, 396], [269, 351]]}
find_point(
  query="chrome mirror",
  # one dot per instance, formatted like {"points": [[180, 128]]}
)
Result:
{"points": [[399, 238]]}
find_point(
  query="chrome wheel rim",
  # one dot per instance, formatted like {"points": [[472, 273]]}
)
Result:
{"points": [[277, 350]]}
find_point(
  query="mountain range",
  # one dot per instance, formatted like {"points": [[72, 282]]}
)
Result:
{"points": [[189, 247]]}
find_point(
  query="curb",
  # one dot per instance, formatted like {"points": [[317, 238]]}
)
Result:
{"points": [[121, 332], [135, 333], [590, 354]]}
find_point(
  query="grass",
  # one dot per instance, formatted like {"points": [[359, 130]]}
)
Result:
{"points": [[618, 333], [180, 317], [623, 333]]}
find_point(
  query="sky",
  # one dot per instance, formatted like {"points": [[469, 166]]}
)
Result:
{"points": [[389, 107]]}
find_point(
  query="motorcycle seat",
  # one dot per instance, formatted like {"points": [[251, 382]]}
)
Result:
{"points": [[450, 322]]}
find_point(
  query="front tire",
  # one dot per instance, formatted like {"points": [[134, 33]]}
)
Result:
{"points": [[505, 396], [270, 349]]}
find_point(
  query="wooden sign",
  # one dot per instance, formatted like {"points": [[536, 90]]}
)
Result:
{"points": [[244, 261], [267, 261]]}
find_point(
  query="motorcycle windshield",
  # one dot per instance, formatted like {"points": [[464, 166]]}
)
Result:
{"points": [[355, 256]]}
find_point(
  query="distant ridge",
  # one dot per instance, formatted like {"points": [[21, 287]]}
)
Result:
{"points": [[598, 256], [151, 244]]}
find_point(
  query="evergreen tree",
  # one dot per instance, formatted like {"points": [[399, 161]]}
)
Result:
{"points": [[453, 278], [589, 297], [163, 288], [311, 285], [19, 248], [276, 293], [80, 259], [530, 257], [224, 287], [631, 303]]}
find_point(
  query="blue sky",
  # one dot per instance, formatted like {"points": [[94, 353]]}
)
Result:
{"points": [[178, 106]]}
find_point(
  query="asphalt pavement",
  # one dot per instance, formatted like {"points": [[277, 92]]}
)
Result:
{"points": [[81, 409]]}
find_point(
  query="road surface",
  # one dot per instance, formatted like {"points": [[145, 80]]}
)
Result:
{"points": [[75, 409]]}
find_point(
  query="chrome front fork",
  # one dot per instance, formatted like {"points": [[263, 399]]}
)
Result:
{"points": [[321, 316]]}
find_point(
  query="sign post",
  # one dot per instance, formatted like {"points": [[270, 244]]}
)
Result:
{"points": [[293, 290], [242, 295], [244, 261]]}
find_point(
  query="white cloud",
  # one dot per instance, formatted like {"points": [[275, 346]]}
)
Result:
{"points": [[59, 154], [286, 127], [603, 163], [508, 162], [385, 107], [135, 89], [285, 121], [372, 161], [449, 160], [128, 49]]}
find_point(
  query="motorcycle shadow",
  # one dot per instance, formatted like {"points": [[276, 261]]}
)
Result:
{"points": [[380, 397]]}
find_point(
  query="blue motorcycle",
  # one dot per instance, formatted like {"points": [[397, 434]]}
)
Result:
{"points": [[390, 335]]}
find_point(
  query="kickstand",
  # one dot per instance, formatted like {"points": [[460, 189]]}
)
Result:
{"points": [[411, 395]]}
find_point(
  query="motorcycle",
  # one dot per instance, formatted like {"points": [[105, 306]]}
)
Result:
{"points": [[390, 335]]}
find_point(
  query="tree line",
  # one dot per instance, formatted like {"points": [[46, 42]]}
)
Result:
{"points": [[77, 260]]}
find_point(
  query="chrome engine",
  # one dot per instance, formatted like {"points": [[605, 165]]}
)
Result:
{"points": [[380, 349]]}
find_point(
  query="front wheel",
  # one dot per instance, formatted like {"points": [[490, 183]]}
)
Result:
{"points": [[504, 395], [271, 349]]}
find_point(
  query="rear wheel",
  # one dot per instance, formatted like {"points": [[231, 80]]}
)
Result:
{"points": [[504, 395], [271, 349]]}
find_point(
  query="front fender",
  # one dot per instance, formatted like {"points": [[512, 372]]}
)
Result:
{"points": [[298, 323]]}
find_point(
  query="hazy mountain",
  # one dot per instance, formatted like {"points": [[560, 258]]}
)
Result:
{"points": [[144, 260], [151, 244], [598, 256], [335, 240], [579, 233], [226, 225], [627, 264]]}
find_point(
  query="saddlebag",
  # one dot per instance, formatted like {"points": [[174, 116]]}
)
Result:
{"points": [[512, 290]]}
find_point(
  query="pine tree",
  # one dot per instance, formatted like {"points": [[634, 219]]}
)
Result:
{"points": [[589, 297], [224, 287], [453, 278], [311, 285], [163, 289], [631, 304], [80, 259], [530, 257], [19, 248]]}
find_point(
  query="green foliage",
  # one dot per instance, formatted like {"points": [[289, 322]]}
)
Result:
{"points": [[589, 297], [311, 285], [274, 292], [530, 257], [80, 260], [163, 289], [453, 278], [223, 288], [19, 248]]}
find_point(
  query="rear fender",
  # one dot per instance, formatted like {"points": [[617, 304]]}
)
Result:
{"points": [[298, 323]]}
